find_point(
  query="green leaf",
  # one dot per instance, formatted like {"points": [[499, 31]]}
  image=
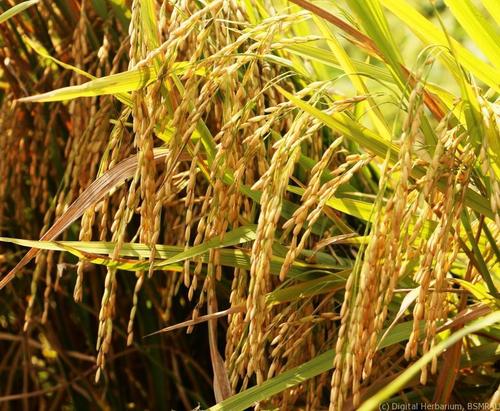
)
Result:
{"points": [[358, 82], [478, 255], [150, 23], [351, 129], [239, 235], [121, 11], [40, 50], [81, 249], [116, 84], [100, 8], [166, 257], [295, 376], [431, 35], [322, 285], [329, 59], [477, 27], [149, 26], [375, 24], [493, 7], [399, 383], [480, 292], [18, 8]]}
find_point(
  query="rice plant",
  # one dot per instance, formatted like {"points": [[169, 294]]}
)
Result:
{"points": [[249, 204]]}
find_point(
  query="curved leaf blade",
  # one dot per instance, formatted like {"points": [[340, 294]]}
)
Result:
{"points": [[18, 8]]}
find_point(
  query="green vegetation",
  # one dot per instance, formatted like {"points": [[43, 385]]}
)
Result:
{"points": [[310, 189]]}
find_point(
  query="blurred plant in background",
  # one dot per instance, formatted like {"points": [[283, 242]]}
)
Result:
{"points": [[310, 189]]}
